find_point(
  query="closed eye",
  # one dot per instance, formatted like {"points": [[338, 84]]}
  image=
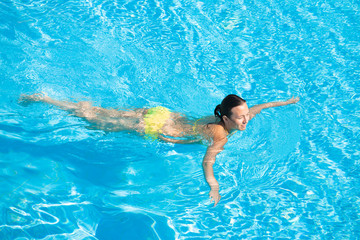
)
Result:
{"points": [[243, 116]]}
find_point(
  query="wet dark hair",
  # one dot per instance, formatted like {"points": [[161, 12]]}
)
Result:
{"points": [[224, 109]]}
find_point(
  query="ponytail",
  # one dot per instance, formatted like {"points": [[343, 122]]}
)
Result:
{"points": [[217, 112]]}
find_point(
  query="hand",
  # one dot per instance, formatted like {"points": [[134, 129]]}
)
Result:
{"points": [[293, 100], [215, 196]]}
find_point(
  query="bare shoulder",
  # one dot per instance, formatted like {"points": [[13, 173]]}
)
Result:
{"points": [[216, 132]]}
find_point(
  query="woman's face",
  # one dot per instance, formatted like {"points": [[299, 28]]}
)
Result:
{"points": [[239, 117]]}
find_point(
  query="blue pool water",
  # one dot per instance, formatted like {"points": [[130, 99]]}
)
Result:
{"points": [[293, 174]]}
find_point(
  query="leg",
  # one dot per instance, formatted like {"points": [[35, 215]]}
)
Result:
{"points": [[101, 118], [38, 97], [80, 109]]}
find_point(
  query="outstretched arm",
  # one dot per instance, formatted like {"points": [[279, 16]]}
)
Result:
{"points": [[207, 164], [257, 108]]}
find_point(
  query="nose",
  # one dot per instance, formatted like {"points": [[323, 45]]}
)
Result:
{"points": [[246, 119]]}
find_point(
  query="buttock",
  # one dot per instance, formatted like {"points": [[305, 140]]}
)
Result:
{"points": [[154, 120]]}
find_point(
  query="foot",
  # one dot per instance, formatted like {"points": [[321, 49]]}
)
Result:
{"points": [[25, 100]]}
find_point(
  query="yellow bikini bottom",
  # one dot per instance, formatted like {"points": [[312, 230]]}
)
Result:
{"points": [[154, 120]]}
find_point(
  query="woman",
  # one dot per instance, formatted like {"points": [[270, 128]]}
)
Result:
{"points": [[232, 114], [159, 122]]}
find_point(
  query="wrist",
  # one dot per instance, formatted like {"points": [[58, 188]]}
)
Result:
{"points": [[214, 187]]}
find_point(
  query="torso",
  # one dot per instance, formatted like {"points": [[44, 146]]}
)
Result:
{"points": [[177, 126], [180, 126]]}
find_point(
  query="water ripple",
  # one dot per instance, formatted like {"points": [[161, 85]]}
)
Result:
{"points": [[293, 174]]}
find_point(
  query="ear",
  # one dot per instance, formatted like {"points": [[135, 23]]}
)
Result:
{"points": [[225, 118]]}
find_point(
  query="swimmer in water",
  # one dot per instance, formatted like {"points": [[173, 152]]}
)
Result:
{"points": [[159, 122]]}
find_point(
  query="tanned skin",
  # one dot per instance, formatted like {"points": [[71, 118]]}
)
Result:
{"points": [[111, 120]]}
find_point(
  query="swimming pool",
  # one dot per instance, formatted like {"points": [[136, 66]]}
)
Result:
{"points": [[293, 174]]}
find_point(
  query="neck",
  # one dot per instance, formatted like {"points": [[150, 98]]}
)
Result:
{"points": [[222, 123]]}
